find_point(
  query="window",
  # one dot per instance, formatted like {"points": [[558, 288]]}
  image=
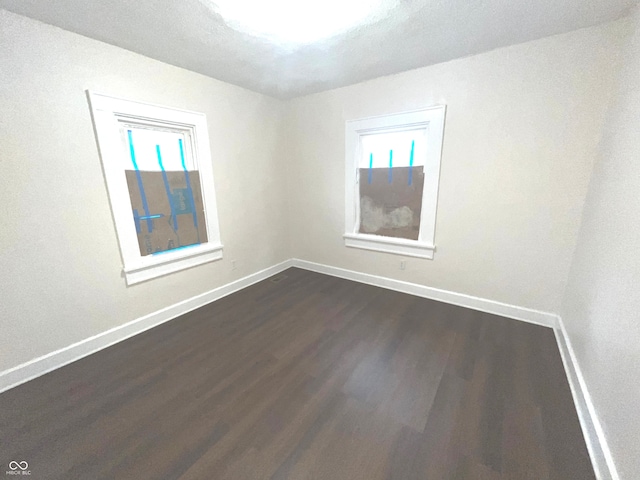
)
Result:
{"points": [[392, 176], [157, 166]]}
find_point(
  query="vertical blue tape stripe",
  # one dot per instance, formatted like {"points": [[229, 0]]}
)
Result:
{"points": [[167, 188], [413, 143], [370, 166], [136, 220], [186, 177], [139, 177], [390, 166]]}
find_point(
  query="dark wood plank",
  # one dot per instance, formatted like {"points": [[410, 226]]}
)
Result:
{"points": [[310, 377]]}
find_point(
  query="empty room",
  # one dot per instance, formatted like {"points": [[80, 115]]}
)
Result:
{"points": [[338, 240]]}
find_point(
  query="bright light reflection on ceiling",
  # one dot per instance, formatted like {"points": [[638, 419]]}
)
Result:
{"points": [[297, 21]]}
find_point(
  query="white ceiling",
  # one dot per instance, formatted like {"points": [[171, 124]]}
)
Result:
{"points": [[411, 34]]}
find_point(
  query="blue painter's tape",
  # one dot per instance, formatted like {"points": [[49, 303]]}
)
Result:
{"points": [[168, 189], [136, 220], [413, 143], [176, 248], [370, 166], [139, 178], [390, 166], [182, 201], [186, 177]]}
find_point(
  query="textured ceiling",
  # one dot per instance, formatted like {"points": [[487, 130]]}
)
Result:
{"points": [[411, 34]]}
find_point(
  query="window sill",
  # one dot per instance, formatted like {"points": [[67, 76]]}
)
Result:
{"points": [[398, 246], [156, 265]]}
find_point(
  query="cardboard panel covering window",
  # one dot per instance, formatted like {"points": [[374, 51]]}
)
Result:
{"points": [[164, 188], [391, 182]]}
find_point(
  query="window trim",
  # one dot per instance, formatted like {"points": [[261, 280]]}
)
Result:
{"points": [[107, 113], [432, 119]]}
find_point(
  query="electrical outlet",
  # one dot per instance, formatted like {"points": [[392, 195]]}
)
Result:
{"points": [[403, 264]]}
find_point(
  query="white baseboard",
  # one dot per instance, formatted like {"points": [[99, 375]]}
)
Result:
{"points": [[592, 429], [529, 315], [59, 358], [595, 439]]}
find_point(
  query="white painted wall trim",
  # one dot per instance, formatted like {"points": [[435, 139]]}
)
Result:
{"points": [[377, 243], [592, 429], [111, 117], [529, 315], [595, 439], [188, 258], [599, 451], [431, 120], [39, 366]]}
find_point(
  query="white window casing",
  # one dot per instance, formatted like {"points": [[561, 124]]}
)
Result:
{"points": [[431, 122], [110, 114]]}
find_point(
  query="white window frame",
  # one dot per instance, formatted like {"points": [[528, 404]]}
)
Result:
{"points": [[431, 119], [107, 113]]}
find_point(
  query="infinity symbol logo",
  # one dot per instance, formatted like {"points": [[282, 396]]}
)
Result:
{"points": [[13, 465]]}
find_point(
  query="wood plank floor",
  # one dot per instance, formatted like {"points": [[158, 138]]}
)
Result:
{"points": [[310, 377]]}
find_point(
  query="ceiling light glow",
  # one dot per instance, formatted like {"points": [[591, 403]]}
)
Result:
{"points": [[297, 21]]}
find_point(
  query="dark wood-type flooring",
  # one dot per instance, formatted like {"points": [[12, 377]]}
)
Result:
{"points": [[309, 377]]}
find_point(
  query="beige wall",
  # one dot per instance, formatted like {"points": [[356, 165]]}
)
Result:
{"points": [[601, 308], [521, 132], [59, 260]]}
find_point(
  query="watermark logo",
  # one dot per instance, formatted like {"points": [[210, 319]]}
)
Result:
{"points": [[18, 468]]}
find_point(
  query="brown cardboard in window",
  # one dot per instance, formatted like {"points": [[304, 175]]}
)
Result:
{"points": [[391, 209], [161, 232]]}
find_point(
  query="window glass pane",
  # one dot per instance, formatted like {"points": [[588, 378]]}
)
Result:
{"points": [[145, 141], [391, 181], [164, 188], [375, 148]]}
